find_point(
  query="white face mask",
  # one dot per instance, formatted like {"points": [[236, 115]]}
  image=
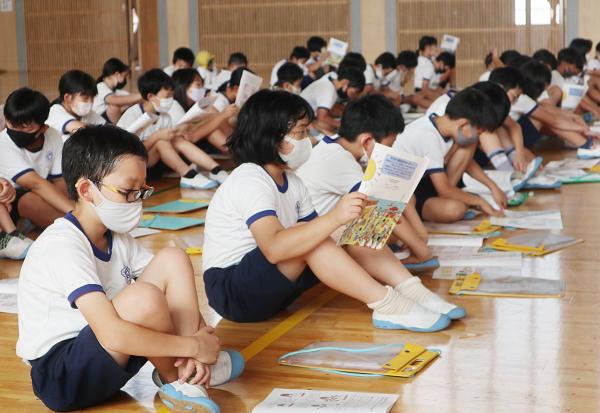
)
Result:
{"points": [[196, 93], [299, 154], [164, 106], [379, 73], [81, 109], [120, 217], [364, 159]]}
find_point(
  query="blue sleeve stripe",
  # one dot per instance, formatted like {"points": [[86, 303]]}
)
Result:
{"points": [[50, 176], [259, 215], [64, 126], [355, 187], [309, 217], [20, 174], [84, 289], [531, 111], [322, 107], [435, 171]]}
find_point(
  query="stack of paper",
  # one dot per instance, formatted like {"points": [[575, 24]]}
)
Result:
{"points": [[573, 171], [550, 219]]}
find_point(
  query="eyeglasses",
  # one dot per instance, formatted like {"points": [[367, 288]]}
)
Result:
{"points": [[131, 195]]}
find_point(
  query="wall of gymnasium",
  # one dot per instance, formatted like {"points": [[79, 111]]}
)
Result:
{"points": [[40, 39]]}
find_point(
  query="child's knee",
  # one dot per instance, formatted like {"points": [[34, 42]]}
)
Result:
{"points": [[146, 299], [455, 210], [172, 255]]}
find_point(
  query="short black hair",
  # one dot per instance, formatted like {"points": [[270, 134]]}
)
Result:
{"points": [[182, 79], [475, 106], [427, 41], [76, 82], [354, 59], [508, 77], [407, 58], [356, 78], [300, 52], [374, 114], [447, 58], [386, 60], [264, 120], [185, 54], [289, 73], [153, 81], [238, 59], [93, 152], [583, 46], [536, 76], [521, 60], [598, 47], [315, 43], [489, 58], [547, 57], [508, 56], [498, 99], [571, 56], [25, 106], [112, 66]]}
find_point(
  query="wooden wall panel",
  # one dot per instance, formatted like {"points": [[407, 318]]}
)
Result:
{"points": [[9, 66], [480, 24], [147, 37], [267, 30], [66, 34]]}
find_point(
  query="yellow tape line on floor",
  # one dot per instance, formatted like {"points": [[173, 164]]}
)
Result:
{"points": [[286, 325]]}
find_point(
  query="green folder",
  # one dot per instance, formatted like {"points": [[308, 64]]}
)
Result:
{"points": [[167, 222], [179, 206]]}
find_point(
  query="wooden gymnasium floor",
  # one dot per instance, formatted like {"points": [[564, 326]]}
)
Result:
{"points": [[508, 355]]}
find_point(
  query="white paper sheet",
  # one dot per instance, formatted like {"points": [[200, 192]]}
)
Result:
{"points": [[501, 178], [249, 85], [196, 111], [449, 273], [142, 123], [550, 219], [313, 401], [142, 232], [8, 295], [572, 95], [337, 50], [462, 256], [450, 43], [455, 240], [572, 163]]}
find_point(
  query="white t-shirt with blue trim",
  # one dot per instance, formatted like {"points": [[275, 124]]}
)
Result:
{"points": [[523, 106], [248, 195], [330, 173], [135, 112], [59, 118], [61, 266], [99, 105], [321, 93], [16, 162], [425, 70], [422, 138]]}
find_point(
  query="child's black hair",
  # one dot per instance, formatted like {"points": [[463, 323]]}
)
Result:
{"points": [[25, 106], [112, 66], [356, 77], [508, 77], [475, 106], [508, 56], [427, 41], [447, 58], [374, 114], [571, 56], [536, 76], [238, 59], [315, 43], [488, 59], [263, 122], [598, 47], [353, 59], [94, 151], [386, 60], [234, 80], [289, 73], [153, 81], [521, 60], [407, 58], [76, 82], [300, 52], [498, 98], [583, 46], [547, 57], [185, 54], [182, 79]]}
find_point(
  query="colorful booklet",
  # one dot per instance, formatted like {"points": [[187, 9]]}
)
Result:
{"points": [[389, 182], [449, 43], [337, 50]]}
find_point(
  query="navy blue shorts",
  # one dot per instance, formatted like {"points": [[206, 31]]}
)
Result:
{"points": [[253, 290], [424, 191], [78, 373], [530, 133]]}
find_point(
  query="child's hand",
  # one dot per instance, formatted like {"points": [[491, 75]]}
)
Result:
{"points": [[231, 111], [499, 197], [209, 345], [489, 210], [520, 161], [7, 192], [349, 207], [190, 367]]}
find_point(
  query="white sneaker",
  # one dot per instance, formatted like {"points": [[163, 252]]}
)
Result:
{"points": [[414, 290], [14, 248], [197, 182], [220, 176], [592, 153], [185, 397], [396, 312]]}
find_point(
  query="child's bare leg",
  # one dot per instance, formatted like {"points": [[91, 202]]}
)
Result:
{"points": [[381, 264], [113, 113], [194, 154], [419, 250], [218, 139], [37, 210], [171, 158], [572, 137], [457, 164], [412, 216], [6, 223], [443, 210]]}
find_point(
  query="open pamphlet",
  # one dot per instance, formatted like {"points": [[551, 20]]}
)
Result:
{"points": [[572, 95], [449, 43], [326, 401], [197, 111], [337, 50], [550, 219], [508, 181], [249, 85], [142, 123], [389, 182]]}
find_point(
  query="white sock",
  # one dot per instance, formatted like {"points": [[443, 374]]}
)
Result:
{"points": [[414, 289], [500, 161], [392, 303]]}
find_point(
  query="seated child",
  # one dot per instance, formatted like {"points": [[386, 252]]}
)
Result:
{"points": [[94, 305], [335, 167], [389, 78], [357, 61], [73, 108], [183, 58], [13, 245], [449, 142], [299, 56], [315, 64], [445, 66], [226, 95], [265, 245], [425, 72], [289, 77], [236, 60], [166, 144], [30, 154], [108, 103], [207, 67]]}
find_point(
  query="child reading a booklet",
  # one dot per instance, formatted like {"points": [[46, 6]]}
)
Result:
{"points": [[265, 245]]}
